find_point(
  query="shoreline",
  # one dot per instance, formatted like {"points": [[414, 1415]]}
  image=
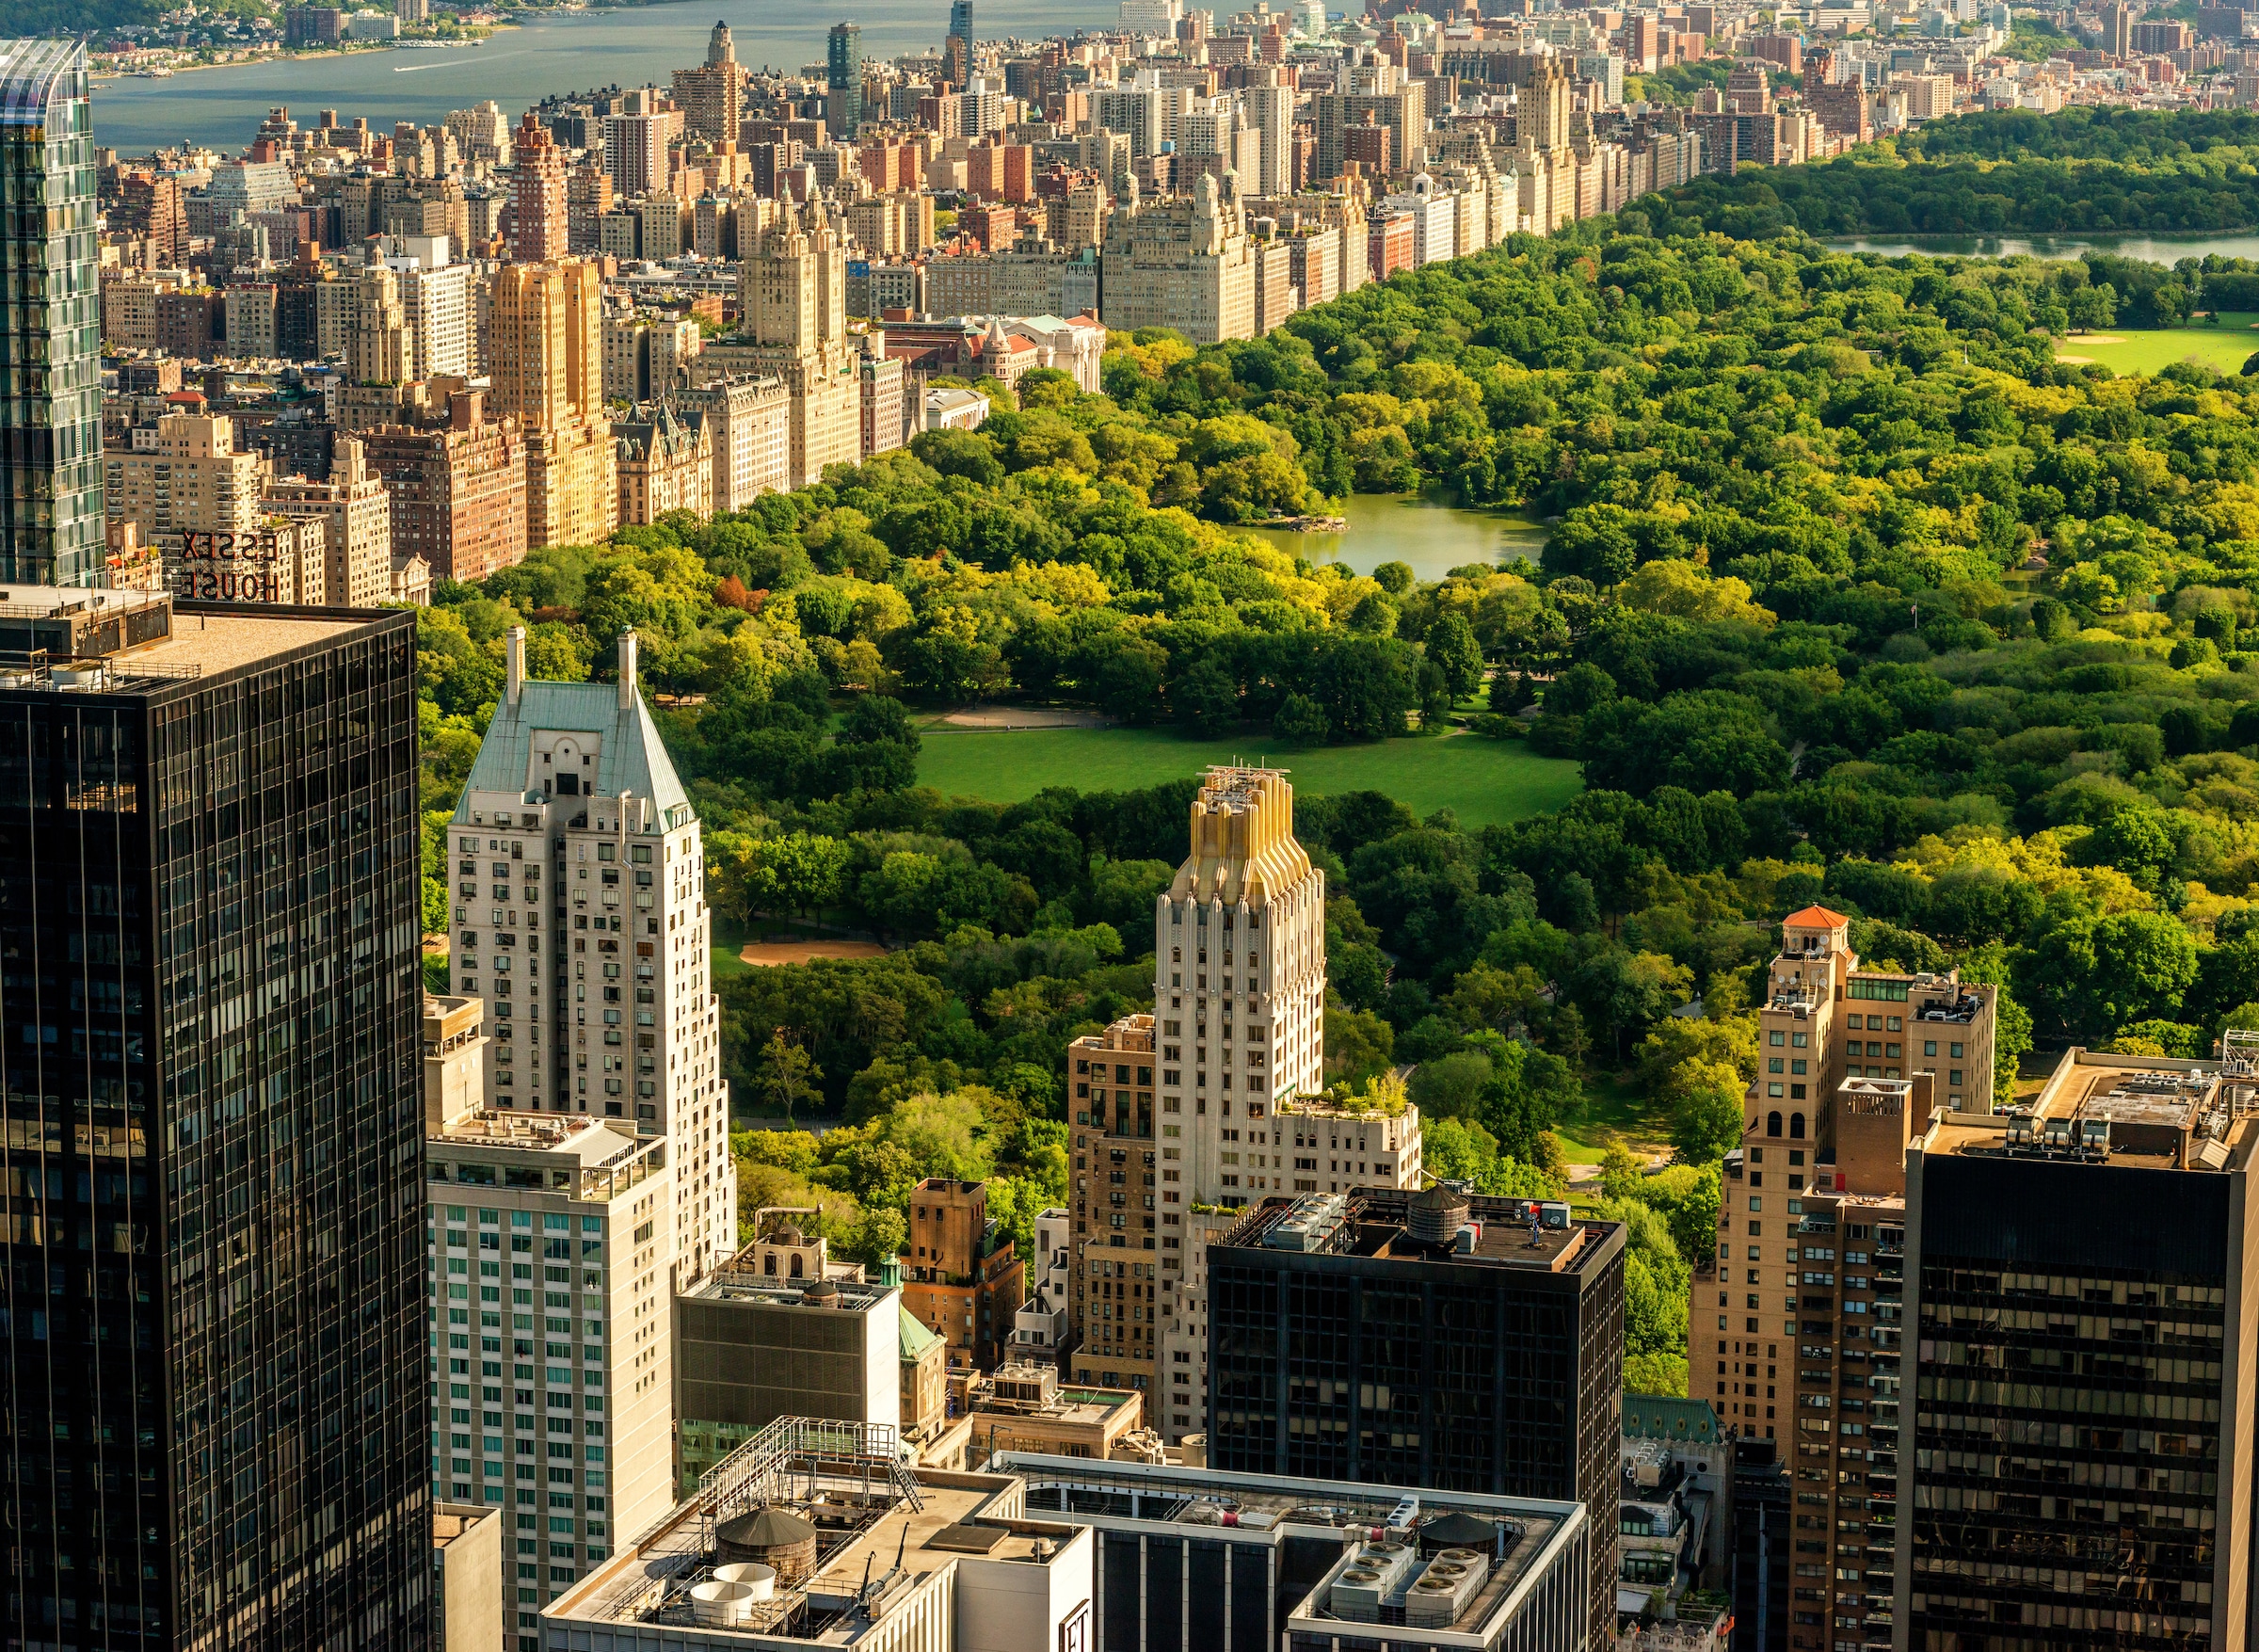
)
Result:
{"points": [[107, 76]]}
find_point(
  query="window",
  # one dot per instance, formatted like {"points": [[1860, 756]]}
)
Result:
{"points": [[1773, 1124]]}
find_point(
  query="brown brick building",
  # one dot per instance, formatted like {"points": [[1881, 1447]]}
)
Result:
{"points": [[960, 1277], [458, 489]]}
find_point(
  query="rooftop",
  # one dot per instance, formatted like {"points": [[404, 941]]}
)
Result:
{"points": [[880, 1533], [1520, 1537], [123, 641], [1437, 1227], [2150, 1111]]}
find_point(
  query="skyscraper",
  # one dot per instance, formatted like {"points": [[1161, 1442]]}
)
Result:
{"points": [[573, 826], [2078, 1280], [957, 50], [1236, 1042], [215, 1335], [792, 305], [51, 528], [547, 349], [537, 202], [1425, 1339], [713, 96], [843, 76]]}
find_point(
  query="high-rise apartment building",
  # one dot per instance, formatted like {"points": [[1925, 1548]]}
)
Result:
{"points": [[1378, 89], [209, 975], [51, 515], [750, 417], [2080, 1278], [960, 1277], [1184, 262], [1823, 1019], [1180, 1118], [958, 47], [792, 308], [573, 826], [843, 78], [457, 488], [547, 358], [356, 511], [550, 1250], [538, 196], [1271, 113], [1428, 1339], [182, 474], [636, 139], [713, 96]]}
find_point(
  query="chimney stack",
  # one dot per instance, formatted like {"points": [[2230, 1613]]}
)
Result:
{"points": [[626, 670], [514, 665]]}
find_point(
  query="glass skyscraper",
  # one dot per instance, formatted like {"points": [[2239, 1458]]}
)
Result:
{"points": [[212, 1318], [51, 524], [843, 65]]}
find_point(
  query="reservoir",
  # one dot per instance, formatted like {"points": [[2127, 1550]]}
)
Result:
{"points": [[1429, 531], [518, 66], [2165, 250]]}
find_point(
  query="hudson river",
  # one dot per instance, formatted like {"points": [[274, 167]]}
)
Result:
{"points": [[519, 67]]}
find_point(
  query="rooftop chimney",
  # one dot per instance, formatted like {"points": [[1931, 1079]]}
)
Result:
{"points": [[514, 666], [626, 670]]}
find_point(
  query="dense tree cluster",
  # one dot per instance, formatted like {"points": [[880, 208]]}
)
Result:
{"points": [[1853, 593], [2088, 171]]}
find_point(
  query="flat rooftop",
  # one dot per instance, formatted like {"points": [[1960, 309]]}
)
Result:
{"points": [[863, 1534], [1531, 1531], [1375, 1223], [202, 639], [217, 640], [2146, 1111]]}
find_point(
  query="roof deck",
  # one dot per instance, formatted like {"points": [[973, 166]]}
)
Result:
{"points": [[2138, 1111]]}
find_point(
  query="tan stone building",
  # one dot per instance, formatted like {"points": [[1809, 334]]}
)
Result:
{"points": [[665, 464], [748, 418], [547, 356], [183, 473], [356, 509], [792, 323], [1184, 262]]}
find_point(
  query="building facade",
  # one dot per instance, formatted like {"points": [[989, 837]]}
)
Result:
{"points": [[51, 513], [1424, 1339], [2078, 1275], [548, 373], [458, 489], [551, 1249], [219, 1426], [961, 1279], [579, 905]]}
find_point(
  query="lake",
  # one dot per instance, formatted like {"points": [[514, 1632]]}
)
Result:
{"points": [[2165, 250], [1429, 531], [519, 67]]}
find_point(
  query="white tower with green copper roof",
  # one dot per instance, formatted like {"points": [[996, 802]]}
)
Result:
{"points": [[578, 895]]}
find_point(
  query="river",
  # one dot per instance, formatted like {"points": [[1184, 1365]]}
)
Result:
{"points": [[519, 67], [2166, 249], [1428, 531]]}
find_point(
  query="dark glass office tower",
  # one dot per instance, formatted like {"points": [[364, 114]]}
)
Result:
{"points": [[212, 1306], [1424, 1339], [843, 76], [2082, 1402], [51, 526]]}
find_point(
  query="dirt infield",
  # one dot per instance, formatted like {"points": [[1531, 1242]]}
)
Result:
{"points": [[1004, 717], [801, 952]]}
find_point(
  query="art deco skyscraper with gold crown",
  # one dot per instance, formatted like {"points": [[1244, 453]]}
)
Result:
{"points": [[1179, 1117]]}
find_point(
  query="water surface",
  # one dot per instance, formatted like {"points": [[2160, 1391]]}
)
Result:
{"points": [[2165, 250], [519, 67], [1429, 531]]}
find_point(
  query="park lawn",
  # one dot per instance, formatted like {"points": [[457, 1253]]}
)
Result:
{"points": [[1614, 1107], [1486, 781], [2225, 346], [730, 938]]}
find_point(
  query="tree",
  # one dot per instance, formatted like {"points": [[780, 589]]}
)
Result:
{"points": [[1452, 649], [787, 1073], [1300, 721], [1706, 1121], [1207, 697]]}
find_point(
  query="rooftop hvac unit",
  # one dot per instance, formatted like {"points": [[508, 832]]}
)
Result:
{"points": [[1446, 1588], [1553, 1213], [1378, 1571]]}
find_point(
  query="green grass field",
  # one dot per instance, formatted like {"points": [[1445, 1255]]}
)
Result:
{"points": [[1486, 781], [1614, 1106], [2225, 346]]}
